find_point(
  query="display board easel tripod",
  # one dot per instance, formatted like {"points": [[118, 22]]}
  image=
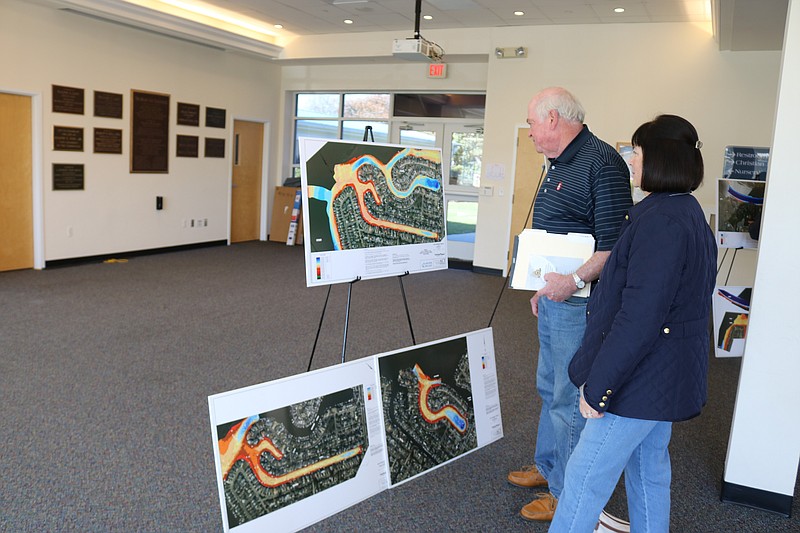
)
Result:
{"points": [[368, 137]]}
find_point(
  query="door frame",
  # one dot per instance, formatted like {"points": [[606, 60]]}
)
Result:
{"points": [[265, 159], [37, 177]]}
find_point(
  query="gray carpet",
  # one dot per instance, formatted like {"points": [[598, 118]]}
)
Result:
{"points": [[106, 369]]}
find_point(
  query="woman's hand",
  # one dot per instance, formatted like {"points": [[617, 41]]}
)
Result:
{"points": [[588, 411]]}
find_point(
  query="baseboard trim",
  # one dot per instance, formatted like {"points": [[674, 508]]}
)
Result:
{"points": [[489, 271], [756, 498], [73, 261]]}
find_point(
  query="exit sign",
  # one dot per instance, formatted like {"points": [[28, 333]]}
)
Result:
{"points": [[437, 70]]}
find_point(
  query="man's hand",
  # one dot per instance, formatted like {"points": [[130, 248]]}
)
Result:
{"points": [[558, 287], [535, 304]]}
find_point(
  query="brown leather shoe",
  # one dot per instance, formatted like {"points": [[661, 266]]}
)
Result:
{"points": [[527, 476], [541, 509]]}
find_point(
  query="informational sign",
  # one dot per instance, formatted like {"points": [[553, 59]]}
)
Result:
{"points": [[538, 253], [731, 306], [371, 210], [294, 451], [745, 163]]}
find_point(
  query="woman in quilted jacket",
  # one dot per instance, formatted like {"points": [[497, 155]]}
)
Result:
{"points": [[644, 357]]}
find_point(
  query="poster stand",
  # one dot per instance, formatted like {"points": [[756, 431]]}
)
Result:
{"points": [[368, 137], [524, 225]]}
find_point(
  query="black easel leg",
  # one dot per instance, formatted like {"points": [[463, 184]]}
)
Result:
{"points": [[405, 303], [730, 268], [314, 349], [347, 316]]}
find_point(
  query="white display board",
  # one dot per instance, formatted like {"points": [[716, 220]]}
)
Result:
{"points": [[538, 253], [291, 452], [731, 306], [371, 210], [294, 451]]}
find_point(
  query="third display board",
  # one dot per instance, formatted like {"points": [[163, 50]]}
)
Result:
{"points": [[371, 210]]}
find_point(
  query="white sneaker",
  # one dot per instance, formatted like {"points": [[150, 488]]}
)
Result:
{"points": [[611, 524]]}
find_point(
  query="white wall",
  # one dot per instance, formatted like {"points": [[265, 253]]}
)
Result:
{"points": [[766, 403], [623, 73], [116, 211]]}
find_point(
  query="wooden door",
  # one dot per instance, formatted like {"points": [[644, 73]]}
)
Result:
{"points": [[248, 142], [16, 184], [527, 170]]}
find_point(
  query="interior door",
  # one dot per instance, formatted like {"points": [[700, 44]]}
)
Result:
{"points": [[248, 144], [528, 165], [16, 183]]}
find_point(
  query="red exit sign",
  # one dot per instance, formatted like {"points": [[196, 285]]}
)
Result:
{"points": [[437, 70]]}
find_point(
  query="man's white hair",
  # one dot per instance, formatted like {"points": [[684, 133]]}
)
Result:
{"points": [[562, 102]]}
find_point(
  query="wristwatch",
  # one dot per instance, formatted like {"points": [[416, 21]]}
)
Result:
{"points": [[578, 281]]}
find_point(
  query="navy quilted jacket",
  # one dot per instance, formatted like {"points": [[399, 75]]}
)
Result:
{"points": [[645, 351]]}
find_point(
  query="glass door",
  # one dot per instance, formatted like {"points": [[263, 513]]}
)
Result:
{"points": [[462, 154]]}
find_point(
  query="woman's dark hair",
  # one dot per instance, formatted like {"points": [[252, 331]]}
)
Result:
{"points": [[671, 152]]}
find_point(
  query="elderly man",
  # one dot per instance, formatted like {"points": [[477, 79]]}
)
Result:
{"points": [[586, 190]]}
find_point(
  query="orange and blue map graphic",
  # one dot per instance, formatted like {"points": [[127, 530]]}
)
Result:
{"points": [[367, 196], [274, 459], [429, 415]]}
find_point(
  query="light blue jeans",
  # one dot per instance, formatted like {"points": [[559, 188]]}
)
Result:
{"points": [[607, 446], [561, 327]]}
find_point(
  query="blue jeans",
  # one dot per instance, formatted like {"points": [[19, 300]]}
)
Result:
{"points": [[606, 447], [561, 327]]}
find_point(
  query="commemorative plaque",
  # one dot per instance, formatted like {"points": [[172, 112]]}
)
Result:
{"points": [[188, 114], [67, 139], [187, 146], [215, 147], [67, 177], [215, 117], [67, 100], [107, 141], [107, 104], [149, 132]]}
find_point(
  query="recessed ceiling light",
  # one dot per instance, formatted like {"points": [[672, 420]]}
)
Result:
{"points": [[619, 10], [348, 21], [279, 26], [427, 17], [519, 13]]}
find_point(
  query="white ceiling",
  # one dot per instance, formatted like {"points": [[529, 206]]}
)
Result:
{"points": [[738, 24]]}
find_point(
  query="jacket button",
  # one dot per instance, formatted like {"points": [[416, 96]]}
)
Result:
{"points": [[666, 331], [602, 404], [605, 398], [626, 217], [608, 391]]}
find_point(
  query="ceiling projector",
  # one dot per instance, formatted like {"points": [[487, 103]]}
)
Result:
{"points": [[416, 49]]}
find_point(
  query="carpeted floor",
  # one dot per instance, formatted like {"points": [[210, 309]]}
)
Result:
{"points": [[106, 369]]}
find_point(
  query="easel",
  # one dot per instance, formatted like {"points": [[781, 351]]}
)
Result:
{"points": [[368, 137]]}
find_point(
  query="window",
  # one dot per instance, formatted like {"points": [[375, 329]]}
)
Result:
{"points": [[340, 116]]}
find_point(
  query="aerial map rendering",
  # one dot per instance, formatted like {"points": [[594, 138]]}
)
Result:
{"points": [[274, 459], [370, 195], [428, 409]]}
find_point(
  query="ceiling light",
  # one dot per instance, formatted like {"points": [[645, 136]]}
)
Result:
{"points": [[499, 53], [348, 21], [279, 26], [427, 17], [519, 13], [619, 10], [521, 51]]}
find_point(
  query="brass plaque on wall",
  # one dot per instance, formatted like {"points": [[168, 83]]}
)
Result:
{"points": [[188, 114], [107, 141], [187, 146], [149, 132], [67, 100], [215, 117], [67, 177], [107, 104], [215, 147], [67, 139]]}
